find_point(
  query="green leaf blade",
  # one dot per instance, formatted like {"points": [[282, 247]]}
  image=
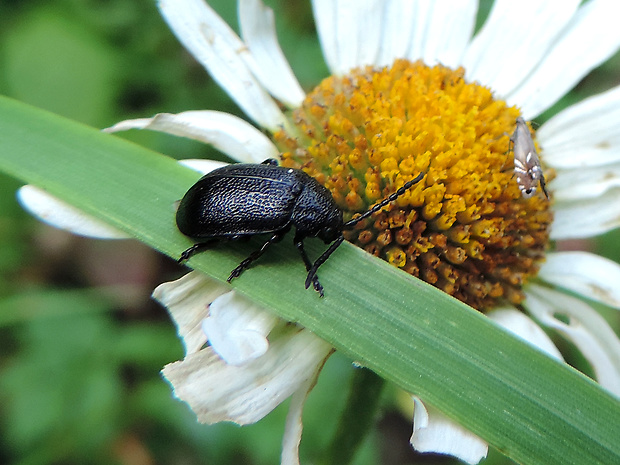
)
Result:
{"points": [[532, 408]]}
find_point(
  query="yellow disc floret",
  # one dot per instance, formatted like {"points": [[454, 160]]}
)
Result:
{"points": [[465, 227]]}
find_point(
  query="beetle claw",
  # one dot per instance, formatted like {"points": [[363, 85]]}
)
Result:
{"points": [[234, 274], [187, 253], [319, 289], [237, 271], [314, 279], [194, 249]]}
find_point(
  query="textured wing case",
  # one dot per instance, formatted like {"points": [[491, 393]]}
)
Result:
{"points": [[239, 200]]}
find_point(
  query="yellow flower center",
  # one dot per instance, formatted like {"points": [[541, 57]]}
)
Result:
{"points": [[465, 227]]}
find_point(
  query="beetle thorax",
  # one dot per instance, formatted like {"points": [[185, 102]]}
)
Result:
{"points": [[316, 214]]}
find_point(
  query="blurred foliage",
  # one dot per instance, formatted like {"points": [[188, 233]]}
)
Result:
{"points": [[81, 343]]}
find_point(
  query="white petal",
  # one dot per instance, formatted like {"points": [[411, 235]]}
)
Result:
{"points": [[434, 432], [348, 32], [397, 31], [325, 19], [59, 214], [584, 183], [202, 165], [214, 44], [229, 134], [449, 27], [237, 328], [187, 300], [585, 328], [524, 327], [590, 275], [419, 29], [585, 134], [258, 31], [590, 38], [217, 391], [294, 426], [586, 218], [431, 31], [359, 40], [513, 40]]}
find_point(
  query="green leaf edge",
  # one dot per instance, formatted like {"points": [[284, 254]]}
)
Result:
{"points": [[532, 408]]}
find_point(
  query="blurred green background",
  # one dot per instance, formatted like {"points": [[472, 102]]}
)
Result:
{"points": [[81, 342]]}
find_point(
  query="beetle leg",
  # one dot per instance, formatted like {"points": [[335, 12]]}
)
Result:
{"points": [[321, 260], [254, 255], [299, 243], [194, 249]]}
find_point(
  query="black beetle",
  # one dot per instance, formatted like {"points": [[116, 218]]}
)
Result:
{"points": [[244, 200]]}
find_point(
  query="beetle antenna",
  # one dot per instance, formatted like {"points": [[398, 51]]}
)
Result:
{"points": [[384, 202]]}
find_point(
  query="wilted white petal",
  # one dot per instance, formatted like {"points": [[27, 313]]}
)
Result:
{"points": [[229, 134], [138, 123], [585, 328], [524, 327], [590, 275], [584, 183], [434, 432], [258, 30], [589, 39], [585, 134], [294, 426], [215, 45], [587, 217], [217, 391], [59, 214], [513, 40], [448, 30], [348, 32], [187, 301], [237, 328], [202, 165]]}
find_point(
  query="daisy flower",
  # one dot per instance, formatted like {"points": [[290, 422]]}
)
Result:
{"points": [[412, 90]]}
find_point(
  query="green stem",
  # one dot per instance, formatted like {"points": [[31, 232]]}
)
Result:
{"points": [[357, 418]]}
